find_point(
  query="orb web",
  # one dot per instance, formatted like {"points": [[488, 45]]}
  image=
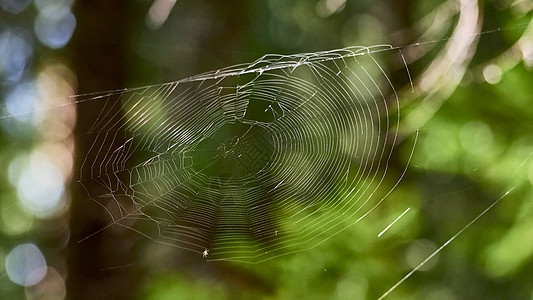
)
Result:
{"points": [[250, 162]]}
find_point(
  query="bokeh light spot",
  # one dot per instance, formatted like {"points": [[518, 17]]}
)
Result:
{"points": [[16, 50], [476, 137], [52, 286], [325, 8], [440, 149], [526, 45], [14, 6], [40, 186], [492, 74], [55, 31], [21, 101], [352, 287], [418, 251], [14, 220], [25, 265], [53, 7]]}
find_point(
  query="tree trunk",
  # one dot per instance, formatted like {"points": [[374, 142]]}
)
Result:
{"points": [[99, 267]]}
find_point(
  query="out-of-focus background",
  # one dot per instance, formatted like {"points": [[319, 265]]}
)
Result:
{"points": [[470, 98]]}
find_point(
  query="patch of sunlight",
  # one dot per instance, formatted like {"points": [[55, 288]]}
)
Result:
{"points": [[508, 254]]}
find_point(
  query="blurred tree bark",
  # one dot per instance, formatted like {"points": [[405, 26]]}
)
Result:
{"points": [[98, 267]]}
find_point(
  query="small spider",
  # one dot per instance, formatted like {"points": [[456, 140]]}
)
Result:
{"points": [[205, 253]]}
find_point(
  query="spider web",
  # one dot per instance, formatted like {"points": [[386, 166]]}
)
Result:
{"points": [[249, 162]]}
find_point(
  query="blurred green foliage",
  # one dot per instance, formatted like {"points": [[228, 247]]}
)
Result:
{"points": [[473, 151]]}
